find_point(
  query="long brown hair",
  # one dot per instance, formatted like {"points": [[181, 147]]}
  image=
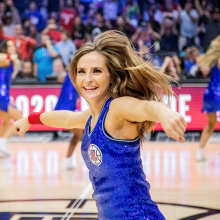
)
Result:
{"points": [[130, 74], [212, 55]]}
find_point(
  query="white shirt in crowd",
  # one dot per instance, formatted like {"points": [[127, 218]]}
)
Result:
{"points": [[67, 50], [188, 28]]}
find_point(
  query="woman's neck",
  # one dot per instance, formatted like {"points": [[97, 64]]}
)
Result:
{"points": [[96, 106]]}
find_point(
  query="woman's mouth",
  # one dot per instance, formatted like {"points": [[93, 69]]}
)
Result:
{"points": [[90, 88]]}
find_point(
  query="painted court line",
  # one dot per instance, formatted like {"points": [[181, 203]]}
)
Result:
{"points": [[77, 203]]}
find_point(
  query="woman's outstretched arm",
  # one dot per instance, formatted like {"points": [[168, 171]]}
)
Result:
{"points": [[57, 119], [135, 110]]}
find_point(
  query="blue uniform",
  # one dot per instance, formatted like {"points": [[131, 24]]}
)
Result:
{"points": [[68, 96], [211, 100], [5, 81], [116, 172]]}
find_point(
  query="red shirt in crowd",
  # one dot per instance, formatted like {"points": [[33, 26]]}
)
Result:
{"points": [[164, 7], [67, 18], [55, 35], [23, 45]]}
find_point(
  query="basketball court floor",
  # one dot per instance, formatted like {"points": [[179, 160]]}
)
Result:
{"points": [[32, 186]]}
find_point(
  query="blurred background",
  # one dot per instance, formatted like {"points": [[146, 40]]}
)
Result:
{"points": [[173, 33]]}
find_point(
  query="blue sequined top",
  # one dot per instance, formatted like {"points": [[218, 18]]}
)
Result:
{"points": [[5, 81], [116, 172], [211, 100], [68, 96]]}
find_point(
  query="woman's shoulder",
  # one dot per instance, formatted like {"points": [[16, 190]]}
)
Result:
{"points": [[122, 102]]}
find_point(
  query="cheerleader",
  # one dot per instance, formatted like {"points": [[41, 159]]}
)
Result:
{"points": [[8, 69], [67, 101], [122, 93], [211, 99]]}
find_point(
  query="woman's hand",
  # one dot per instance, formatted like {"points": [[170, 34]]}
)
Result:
{"points": [[173, 124], [21, 126]]}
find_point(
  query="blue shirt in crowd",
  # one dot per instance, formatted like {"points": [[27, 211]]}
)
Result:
{"points": [[44, 61], [35, 19], [188, 65], [67, 50]]}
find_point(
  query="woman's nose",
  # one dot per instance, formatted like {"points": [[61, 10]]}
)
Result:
{"points": [[88, 77]]}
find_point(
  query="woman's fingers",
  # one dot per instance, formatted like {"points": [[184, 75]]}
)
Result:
{"points": [[175, 135], [182, 139], [21, 132], [179, 131]]}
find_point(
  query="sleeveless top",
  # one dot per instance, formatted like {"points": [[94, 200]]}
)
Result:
{"points": [[214, 84], [116, 173], [5, 82], [211, 98], [68, 96]]}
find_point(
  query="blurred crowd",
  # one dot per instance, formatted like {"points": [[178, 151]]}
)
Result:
{"points": [[170, 33]]}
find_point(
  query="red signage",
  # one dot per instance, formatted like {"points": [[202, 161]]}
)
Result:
{"points": [[188, 102]]}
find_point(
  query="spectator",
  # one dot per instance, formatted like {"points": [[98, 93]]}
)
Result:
{"points": [[110, 11], [52, 30], [15, 13], [157, 15], [169, 40], [89, 25], [171, 67], [35, 16], [33, 33], [145, 38], [154, 24], [124, 26], [2, 10], [191, 61], [108, 24], [24, 44], [66, 47], [58, 68], [212, 23], [26, 70], [188, 19], [43, 9], [81, 11], [43, 58], [26, 26], [9, 26], [86, 4], [67, 16], [132, 11], [79, 31], [100, 26], [170, 9]]}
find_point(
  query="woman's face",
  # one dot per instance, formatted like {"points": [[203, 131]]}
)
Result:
{"points": [[93, 78], [11, 49]]}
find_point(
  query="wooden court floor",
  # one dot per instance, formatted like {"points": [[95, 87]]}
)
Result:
{"points": [[32, 187]]}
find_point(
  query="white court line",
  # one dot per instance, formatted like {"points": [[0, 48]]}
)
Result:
{"points": [[69, 214]]}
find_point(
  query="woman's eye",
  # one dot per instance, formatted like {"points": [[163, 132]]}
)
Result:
{"points": [[81, 71], [97, 71]]}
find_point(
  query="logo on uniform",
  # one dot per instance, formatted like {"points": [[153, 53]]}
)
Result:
{"points": [[95, 154]]}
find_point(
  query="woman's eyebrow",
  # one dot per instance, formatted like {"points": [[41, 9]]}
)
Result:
{"points": [[97, 67]]}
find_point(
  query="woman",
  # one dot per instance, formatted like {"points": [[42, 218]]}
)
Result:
{"points": [[171, 66], [8, 69], [211, 99], [121, 90], [67, 101]]}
